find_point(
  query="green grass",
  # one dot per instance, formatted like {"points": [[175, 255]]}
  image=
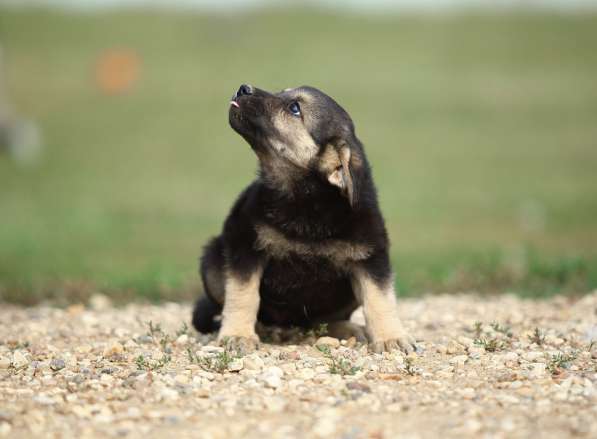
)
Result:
{"points": [[481, 130]]}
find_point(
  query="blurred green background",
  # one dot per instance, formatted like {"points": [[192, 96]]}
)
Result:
{"points": [[481, 129]]}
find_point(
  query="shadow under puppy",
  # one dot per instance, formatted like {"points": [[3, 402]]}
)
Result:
{"points": [[305, 243]]}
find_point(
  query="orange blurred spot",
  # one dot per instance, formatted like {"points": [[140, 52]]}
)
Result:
{"points": [[117, 71]]}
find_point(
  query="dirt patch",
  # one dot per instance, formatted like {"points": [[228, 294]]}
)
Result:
{"points": [[500, 366]]}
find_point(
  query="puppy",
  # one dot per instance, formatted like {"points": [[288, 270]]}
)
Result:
{"points": [[305, 243]]}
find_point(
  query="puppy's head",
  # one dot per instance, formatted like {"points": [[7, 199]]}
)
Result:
{"points": [[297, 131]]}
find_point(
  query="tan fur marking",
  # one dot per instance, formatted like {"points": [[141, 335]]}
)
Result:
{"points": [[340, 252], [240, 306], [346, 177], [296, 144], [379, 307], [329, 161], [355, 160]]}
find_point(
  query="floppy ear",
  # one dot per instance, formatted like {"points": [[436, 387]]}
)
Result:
{"points": [[341, 165], [341, 176]]}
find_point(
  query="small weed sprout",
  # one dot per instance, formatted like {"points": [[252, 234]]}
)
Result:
{"points": [[143, 364], [409, 366], [502, 329], [218, 363], [538, 337], [561, 361], [184, 329], [478, 329], [493, 343], [319, 331], [154, 329], [164, 341], [490, 344], [338, 366]]}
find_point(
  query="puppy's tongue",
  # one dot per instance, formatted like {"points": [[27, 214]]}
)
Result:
{"points": [[234, 104]]}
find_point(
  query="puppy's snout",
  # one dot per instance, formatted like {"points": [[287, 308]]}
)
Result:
{"points": [[244, 90]]}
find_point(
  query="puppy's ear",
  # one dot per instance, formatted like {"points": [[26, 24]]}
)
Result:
{"points": [[341, 164], [341, 176]]}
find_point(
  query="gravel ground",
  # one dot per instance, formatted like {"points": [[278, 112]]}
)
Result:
{"points": [[487, 367]]}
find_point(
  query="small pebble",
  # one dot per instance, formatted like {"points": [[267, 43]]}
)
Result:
{"points": [[113, 350], [19, 360], [328, 341], [459, 360], [5, 362], [253, 362], [236, 365], [537, 370], [57, 364]]}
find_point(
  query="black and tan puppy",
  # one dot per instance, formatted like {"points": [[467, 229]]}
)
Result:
{"points": [[305, 243]]}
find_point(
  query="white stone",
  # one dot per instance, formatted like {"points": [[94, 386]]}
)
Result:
{"points": [[272, 381], [508, 399], [288, 368], [537, 370], [113, 350], [510, 356], [454, 348], [465, 341], [274, 370], [472, 425], [4, 363], [236, 365], [467, 393], [99, 302], [532, 356], [212, 349], [459, 360], [476, 352], [306, 373], [181, 379], [275, 404], [44, 399], [168, 393], [5, 428], [130, 345], [182, 340], [325, 427], [207, 375], [272, 377], [253, 362], [19, 360]]}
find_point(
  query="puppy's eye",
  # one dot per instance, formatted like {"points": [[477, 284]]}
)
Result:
{"points": [[295, 109]]}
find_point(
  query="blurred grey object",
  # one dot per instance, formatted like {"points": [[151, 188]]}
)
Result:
{"points": [[20, 138]]}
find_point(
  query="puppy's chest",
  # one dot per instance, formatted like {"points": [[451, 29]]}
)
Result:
{"points": [[337, 251]]}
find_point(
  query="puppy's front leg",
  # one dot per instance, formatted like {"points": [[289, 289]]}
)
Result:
{"points": [[381, 312], [239, 315]]}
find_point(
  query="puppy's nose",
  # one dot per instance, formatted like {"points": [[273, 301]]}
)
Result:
{"points": [[244, 89]]}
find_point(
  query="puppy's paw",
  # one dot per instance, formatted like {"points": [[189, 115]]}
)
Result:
{"points": [[404, 342], [241, 345]]}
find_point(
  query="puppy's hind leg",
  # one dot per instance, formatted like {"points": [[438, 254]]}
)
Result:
{"points": [[203, 315]]}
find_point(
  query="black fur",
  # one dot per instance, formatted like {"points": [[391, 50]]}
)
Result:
{"points": [[296, 290]]}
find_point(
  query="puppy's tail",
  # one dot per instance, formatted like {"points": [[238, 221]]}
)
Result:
{"points": [[204, 313]]}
